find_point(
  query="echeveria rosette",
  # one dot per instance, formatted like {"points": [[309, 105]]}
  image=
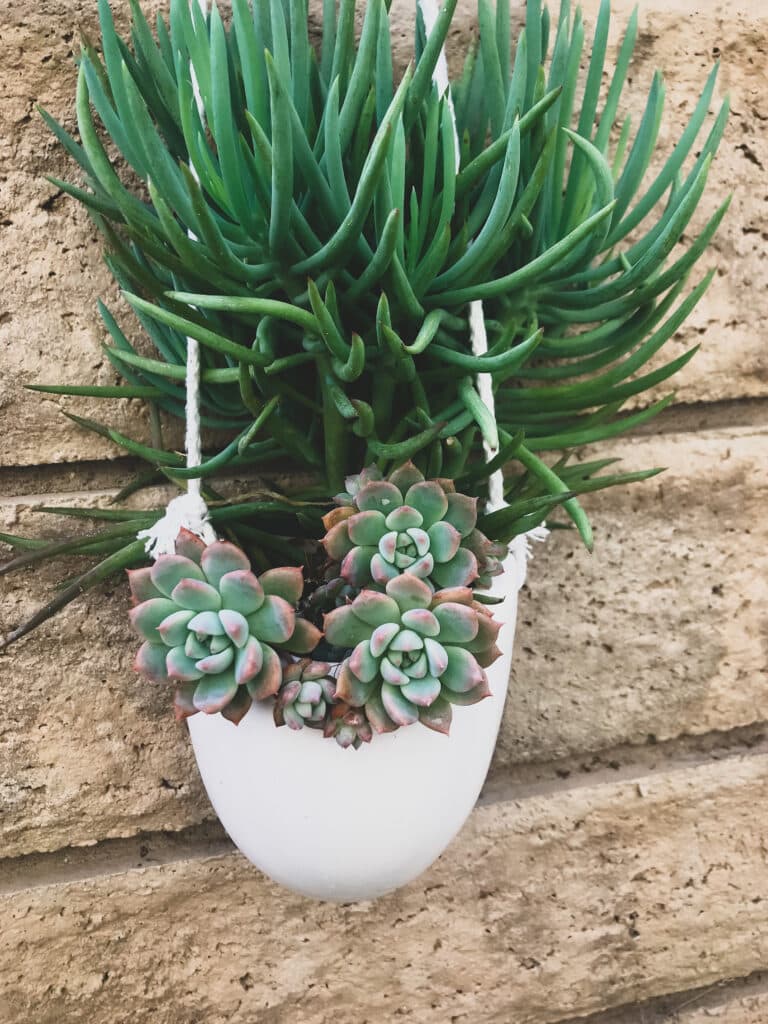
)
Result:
{"points": [[214, 628], [415, 652], [406, 524], [306, 693], [348, 726]]}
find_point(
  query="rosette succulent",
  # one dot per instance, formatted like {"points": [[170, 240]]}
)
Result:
{"points": [[214, 628], [407, 524], [348, 726], [415, 652], [305, 695]]}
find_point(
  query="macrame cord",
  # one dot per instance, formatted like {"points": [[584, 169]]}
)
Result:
{"points": [[189, 510], [521, 546]]}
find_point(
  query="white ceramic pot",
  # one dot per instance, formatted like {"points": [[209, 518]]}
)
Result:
{"points": [[354, 824]]}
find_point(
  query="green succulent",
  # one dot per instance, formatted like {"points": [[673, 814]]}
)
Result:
{"points": [[313, 226], [348, 726], [415, 653], [214, 629], [407, 524], [306, 694]]}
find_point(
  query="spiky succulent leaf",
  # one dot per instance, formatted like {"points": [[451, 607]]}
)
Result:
{"points": [[322, 168]]}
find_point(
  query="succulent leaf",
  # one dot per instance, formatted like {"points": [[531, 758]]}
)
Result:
{"points": [[462, 568], [238, 707], [150, 662], [220, 558], [241, 591], [429, 499], [248, 661], [197, 595], [286, 582], [343, 628], [174, 629], [366, 528], [274, 621], [147, 616], [267, 680], [397, 706], [305, 637], [141, 585], [437, 716], [213, 693], [379, 496], [167, 572], [458, 623], [190, 545], [182, 668], [235, 626], [183, 701]]}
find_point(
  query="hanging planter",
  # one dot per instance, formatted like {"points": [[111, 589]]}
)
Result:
{"points": [[365, 823], [400, 296]]}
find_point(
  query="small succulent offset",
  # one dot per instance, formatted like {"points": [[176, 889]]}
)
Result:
{"points": [[214, 628], [306, 695], [415, 653], [348, 726], [407, 524]]}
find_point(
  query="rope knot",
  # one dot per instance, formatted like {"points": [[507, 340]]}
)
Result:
{"points": [[187, 511]]}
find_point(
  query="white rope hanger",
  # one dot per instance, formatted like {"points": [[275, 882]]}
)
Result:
{"points": [[477, 331], [189, 510]]}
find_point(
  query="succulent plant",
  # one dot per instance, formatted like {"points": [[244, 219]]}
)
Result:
{"points": [[407, 524], [310, 221], [348, 726], [312, 224], [415, 652], [213, 628], [306, 694]]}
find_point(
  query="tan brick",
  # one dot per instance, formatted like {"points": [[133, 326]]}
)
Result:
{"points": [[661, 631], [544, 908], [52, 261]]}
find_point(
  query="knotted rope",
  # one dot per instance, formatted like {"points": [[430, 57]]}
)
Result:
{"points": [[189, 510]]}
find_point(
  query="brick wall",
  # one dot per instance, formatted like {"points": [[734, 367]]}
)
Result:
{"points": [[615, 868]]}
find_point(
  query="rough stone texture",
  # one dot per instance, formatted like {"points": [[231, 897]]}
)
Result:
{"points": [[544, 908], [82, 731], [662, 631], [52, 260]]}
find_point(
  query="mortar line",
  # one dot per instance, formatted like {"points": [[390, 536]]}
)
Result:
{"points": [[683, 418], [664, 1009], [625, 762], [112, 857]]}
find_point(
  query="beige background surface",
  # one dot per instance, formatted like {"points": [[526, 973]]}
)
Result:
{"points": [[615, 870]]}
